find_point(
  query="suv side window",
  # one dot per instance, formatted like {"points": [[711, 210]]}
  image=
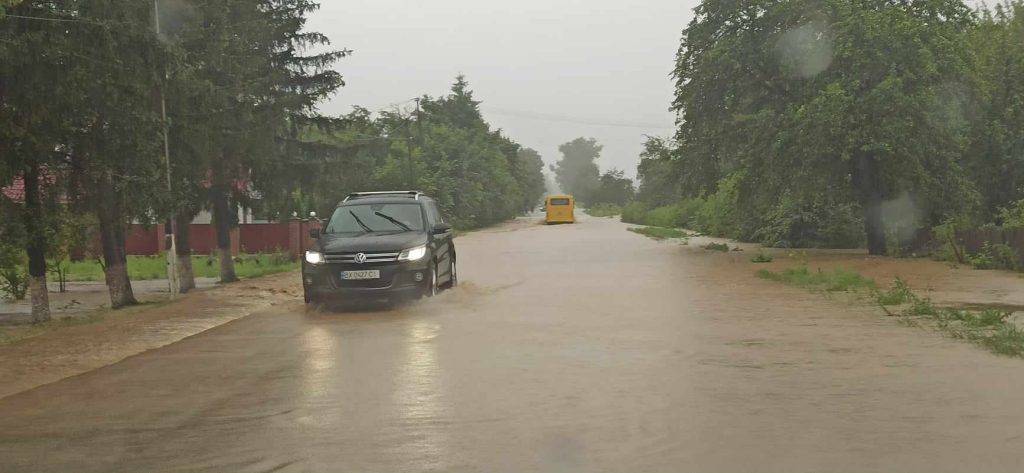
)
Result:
{"points": [[437, 211], [433, 218]]}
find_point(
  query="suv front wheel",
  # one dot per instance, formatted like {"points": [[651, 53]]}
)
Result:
{"points": [[431, 289], [453, 275]]}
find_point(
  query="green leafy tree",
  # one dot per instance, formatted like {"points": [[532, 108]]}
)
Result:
{"points": [[613, 188], [445, 148], [852, 99], [994, 155], [577, 172], [529, 172], [243, 62], [35, 108]]}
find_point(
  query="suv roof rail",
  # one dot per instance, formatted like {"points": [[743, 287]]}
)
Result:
{"points": [[356, 195]]}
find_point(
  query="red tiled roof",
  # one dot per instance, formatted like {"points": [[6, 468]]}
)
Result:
{"points": [[15, 191]]}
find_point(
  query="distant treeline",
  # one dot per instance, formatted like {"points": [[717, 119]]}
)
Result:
{"points": [[821, 123], [443, 147]]}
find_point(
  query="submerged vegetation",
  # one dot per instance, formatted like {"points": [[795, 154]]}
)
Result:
{"points": [[837, 280], [659, 233], [723, 247], [990, 327]]}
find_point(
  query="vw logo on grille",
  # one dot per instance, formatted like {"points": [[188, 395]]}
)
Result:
{"points": [[360, 258]]}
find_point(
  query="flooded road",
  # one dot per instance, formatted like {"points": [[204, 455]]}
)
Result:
{"points": [[566, 348]]}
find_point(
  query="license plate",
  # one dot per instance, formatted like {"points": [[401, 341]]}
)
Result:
{"points": [[357, 275]]}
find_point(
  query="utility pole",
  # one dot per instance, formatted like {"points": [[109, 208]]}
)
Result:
{"points": [[408, 144], [173, 277]]}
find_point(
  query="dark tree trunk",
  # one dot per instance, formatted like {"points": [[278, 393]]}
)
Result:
{"points": [[112, 241], [185, 273], [867, 179], [36, 246], [222, 220]]}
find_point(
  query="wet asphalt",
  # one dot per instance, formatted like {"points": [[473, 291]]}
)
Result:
{"points": [[565, 348]]}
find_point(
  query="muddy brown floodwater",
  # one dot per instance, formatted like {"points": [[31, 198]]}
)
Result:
{"points": [[568, 348]]}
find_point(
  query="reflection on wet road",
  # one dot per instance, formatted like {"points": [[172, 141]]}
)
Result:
{"points": [[567, 348]]}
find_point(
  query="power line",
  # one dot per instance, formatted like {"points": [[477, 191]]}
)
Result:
{"points": [[60, 20]]}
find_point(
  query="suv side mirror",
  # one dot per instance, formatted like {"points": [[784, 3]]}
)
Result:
{"points": [[314, 233], [442, 228]]}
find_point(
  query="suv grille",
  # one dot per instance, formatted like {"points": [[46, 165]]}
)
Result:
{"points": [[370, 257]]}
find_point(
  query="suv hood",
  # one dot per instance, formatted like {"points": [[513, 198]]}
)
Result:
{"points": [[371, 242]]}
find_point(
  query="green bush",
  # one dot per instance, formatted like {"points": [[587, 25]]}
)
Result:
{"points": [[791, 223], [634, 212], [717, 214], [995, 256], [795, 224], [899, 293], [13, 278], [1013, 216], [14, 283], [678, 215], [669, 216], [717, 247], [604, 210], [762, 257]]}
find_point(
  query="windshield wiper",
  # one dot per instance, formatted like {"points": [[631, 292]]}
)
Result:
{"points": [[393, 220], [360, 222]]}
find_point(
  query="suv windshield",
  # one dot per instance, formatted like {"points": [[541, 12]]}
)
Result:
{"points": [[374, 218]]}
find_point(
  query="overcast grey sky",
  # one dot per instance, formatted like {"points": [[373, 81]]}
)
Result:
{"points": [[547, 71]]}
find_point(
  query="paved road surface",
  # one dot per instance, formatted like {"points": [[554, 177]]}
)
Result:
{"points": [[568, 348]]}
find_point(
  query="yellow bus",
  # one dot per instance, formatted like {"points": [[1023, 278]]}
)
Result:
{"points": [[560, 209]]}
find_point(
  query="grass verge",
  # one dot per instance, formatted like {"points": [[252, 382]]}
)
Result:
{"points": [[142, 268]]}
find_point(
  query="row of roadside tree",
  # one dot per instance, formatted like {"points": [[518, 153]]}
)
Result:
{"points": [[120, 111], [837, 123]]}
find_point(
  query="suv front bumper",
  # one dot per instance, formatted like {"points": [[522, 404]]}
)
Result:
{"points": [[397, 279]]}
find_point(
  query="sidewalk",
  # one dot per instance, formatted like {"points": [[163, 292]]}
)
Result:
{"points": [[102, 337], [83, 298]]}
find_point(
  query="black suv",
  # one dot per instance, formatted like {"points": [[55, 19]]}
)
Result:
{"points": [[380, 245]]}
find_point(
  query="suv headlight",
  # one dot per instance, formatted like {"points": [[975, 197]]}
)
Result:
{"points": [[413, 254], [314, 257]]}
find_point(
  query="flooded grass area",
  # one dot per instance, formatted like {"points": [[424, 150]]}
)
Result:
{"points": [[836, 280], [991, 328], [988, 327], [723, 247], [14, 333], [985, 307]]}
